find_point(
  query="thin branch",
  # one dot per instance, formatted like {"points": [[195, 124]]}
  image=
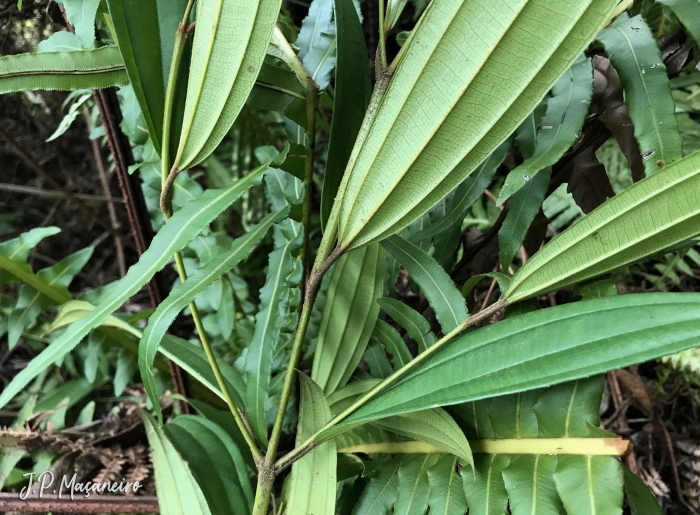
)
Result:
{"points": [[40, 192], [10, 502]]}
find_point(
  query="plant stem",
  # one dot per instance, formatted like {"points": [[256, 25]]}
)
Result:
{"points": [[180, 39], [309, 444], [311, 107], [381, 57]]}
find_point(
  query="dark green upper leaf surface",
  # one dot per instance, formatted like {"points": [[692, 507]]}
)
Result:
{"points": [[688, 13], [635, 54], [542, 348], [137, 30]]}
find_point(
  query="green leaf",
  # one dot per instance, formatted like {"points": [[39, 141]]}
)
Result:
{"points": [[81, 14], [313, 477], [377, 361], [126, 367], [568, 410], [641, 500], [513, 416], [31, 302], [446, 491], [317, 42], [17, 249], [277, 89], [177, 490], [688, 13], [484, 488], [136, 27], [182, 228], [230, 43], [471, 189], [184, 293], [524, 206], [82, 69], [393, 343], [380, 493], [215, 461], [349, 316], [351, 94], [434, 426], [413, 322], [274, 306], [566, 110], [665, 211], [635, 54], [413, 489], [193, 360], [395, 177], [541, 348], [530, 485], [590, 484], [393, 13], [443, 296]]}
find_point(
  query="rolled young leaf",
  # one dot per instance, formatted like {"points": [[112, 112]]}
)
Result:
{"points": [[230, 43], [184, 293], [521, 49], [79, 69], [182, 228], [665, 208]]}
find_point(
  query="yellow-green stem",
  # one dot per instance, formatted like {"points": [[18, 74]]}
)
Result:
{"points": [[382, 37], [180, 40], [311, 107]]}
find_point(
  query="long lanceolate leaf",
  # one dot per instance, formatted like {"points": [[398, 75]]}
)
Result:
{"points": [[230, 43], [538, 349], [485, 490], [589, 484], [443, 296], [182, 228], [665, 208], [635, 54], [274, 305], [313, 477], [566, 111], [81, 69], [458, 113], [446, 492], [136, 27], [349, 316], [185, 293]]}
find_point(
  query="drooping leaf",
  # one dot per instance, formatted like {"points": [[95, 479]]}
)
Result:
{"points": [[530, 484], [230, 43], [417, 327], [590, 484], [688, 13], [524, 206], [395, 178], [81, 14], [446, 491], [632, 49], [437, 286], [274, 305], [184, 293], [137, 29], [215, 461], [641, 500], [434, 426], [177, 490], [484, 488], [313, 477], [413, 488], [349, 316], [538, 349], [665, 209], [380, 493], [352, 92], [468, 192], [589, 183], [183, 227], [80, 69], [31, 302], [566, 111], [393, 343], [277, 89]]}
